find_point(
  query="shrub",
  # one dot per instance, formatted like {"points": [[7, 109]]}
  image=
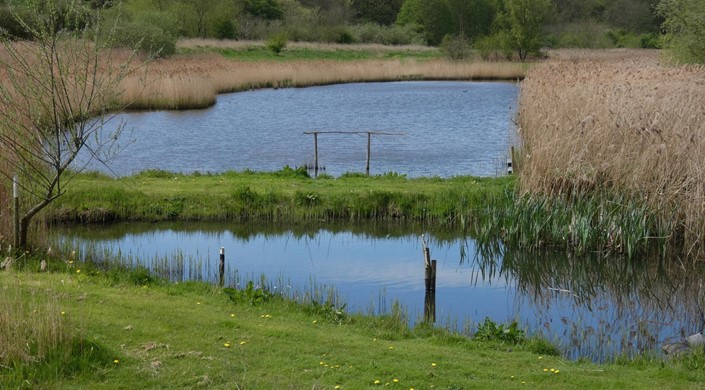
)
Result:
{"points": [[277, 42], [151, 33], [455, 47], [387, 35], [224, 29]]}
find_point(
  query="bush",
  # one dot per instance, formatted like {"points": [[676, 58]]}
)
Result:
{"points": [[455, 47], [224, 29], [493, 47], [277, 42], [387, 35], [151, 32]]}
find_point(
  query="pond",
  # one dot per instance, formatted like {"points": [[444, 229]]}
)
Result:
{"points": [[449, 128], [592, 306]]}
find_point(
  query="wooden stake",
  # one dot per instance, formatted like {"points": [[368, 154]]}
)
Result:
{"points": [[221, 271], [369, 148]]}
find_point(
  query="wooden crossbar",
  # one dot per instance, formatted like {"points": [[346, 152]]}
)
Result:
{"points": [[369, 143]]}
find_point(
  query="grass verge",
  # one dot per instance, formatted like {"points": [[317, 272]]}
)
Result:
{"points": [[288, 195], [193, 335]]}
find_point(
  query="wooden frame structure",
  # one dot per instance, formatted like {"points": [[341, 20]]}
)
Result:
{"points": [[369, 143]]}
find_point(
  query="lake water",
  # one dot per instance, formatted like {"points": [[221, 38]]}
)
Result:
{"points": [[594, 307], [450, 128]]}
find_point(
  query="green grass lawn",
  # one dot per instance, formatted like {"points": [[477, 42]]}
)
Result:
{"points": [[262, 53], [192, 335]]}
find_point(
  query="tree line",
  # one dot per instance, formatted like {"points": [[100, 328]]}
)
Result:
{"points": [[514, 27]]}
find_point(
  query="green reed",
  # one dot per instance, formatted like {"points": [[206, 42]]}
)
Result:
{"points": [[579, 223]]}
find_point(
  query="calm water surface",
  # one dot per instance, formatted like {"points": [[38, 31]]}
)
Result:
{"points": [[594, 307], [451, 128]]}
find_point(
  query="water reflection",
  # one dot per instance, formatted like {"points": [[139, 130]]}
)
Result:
{"points": [[593, 306]]}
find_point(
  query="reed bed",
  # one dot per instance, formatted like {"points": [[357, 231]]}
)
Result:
{"points": [[627, 133], [193, 81]]}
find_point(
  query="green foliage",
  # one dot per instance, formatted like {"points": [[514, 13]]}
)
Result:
{"points": [[381, 12], [684, 23], [541, 346], [488, 330], [495, 47], [433, 18], [151, 32], [9, 24], [224, 29], [251, 295], [265, 9], [388, 35], [277, 42], [328, 311], [455, 47], [289, 172], [525, 23]]}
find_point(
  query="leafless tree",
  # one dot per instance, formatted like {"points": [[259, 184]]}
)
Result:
{"points": [[54, 86]]}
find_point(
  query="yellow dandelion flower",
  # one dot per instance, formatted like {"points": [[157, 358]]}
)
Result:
{"points": [[433, 364], [337, 386], [556, 372], [377, 381], [198, 303], [511, 377], [226, 345], [553, 369], [232, 315], [321, 363], [391, 347], [545, 370], [314, 322], [395, 380], [78, 271], [540, 357], [63, 313], [523, 383], [242, 343], [116, 361]]}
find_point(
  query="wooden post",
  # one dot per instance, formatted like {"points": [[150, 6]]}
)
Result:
{"points": [[510, 162], [369, 143], [16, 207], [221, 271], [315, 152], [430, 284]]}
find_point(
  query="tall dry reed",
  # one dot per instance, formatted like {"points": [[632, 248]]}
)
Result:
{"points": [[195, 80], [628, 127]]}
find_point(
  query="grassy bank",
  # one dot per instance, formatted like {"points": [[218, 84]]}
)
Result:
{"points": [[306, 51], [286, 196], [151, 334]]}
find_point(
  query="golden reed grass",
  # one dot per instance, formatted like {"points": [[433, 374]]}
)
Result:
{"points": [[192, 81], [627, 125]]}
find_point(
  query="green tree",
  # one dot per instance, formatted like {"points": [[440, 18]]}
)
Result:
{"points": [[382, 12], [684, 24], [265, 9], [431, 17], [53, 86], [525, 19]]}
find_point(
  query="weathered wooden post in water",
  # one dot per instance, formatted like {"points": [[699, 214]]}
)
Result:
{"points": [[221, 270], [429, 312]]}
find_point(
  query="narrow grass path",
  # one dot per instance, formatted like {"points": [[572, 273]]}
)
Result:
{"points": [[192, 335]]}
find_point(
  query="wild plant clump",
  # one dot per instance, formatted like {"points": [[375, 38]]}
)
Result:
{"points": [[623, 129]]}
